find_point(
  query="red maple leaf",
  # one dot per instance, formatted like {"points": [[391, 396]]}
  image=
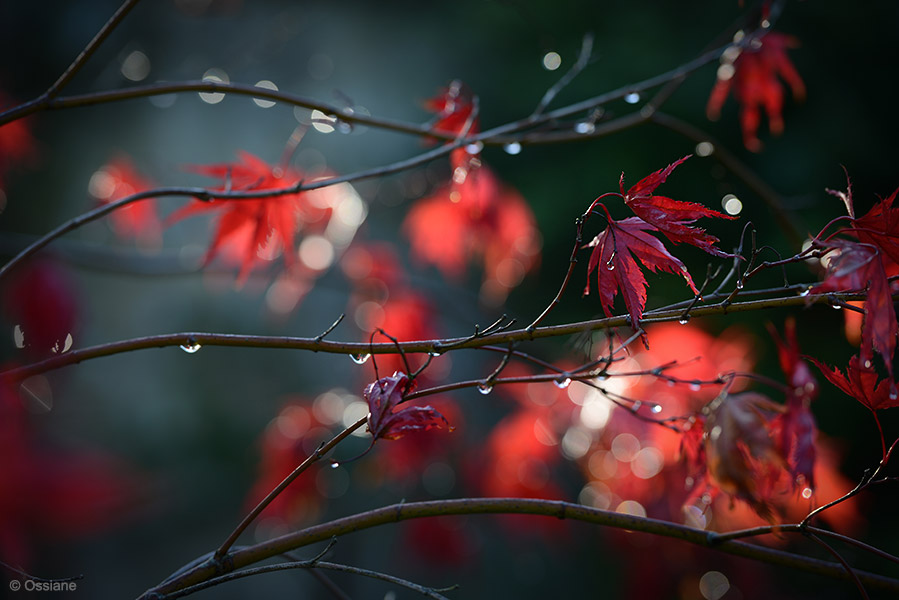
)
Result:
{"points": [[742, 458], [476, 215], [117, 179], [453, 106], [879, 226], [862, 384], [795, 428], [384, 395], [614, 255], [753, 76], [258, 229], [856, 266], [671, 217]]}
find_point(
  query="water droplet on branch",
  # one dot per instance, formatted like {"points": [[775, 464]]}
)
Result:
{"points": [[191, 346], [360, 359], [562, 383], [485, 388]]}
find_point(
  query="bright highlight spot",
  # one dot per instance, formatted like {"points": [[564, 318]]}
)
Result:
{"points": [[316, 252], [631, 507], [704, 149], [713, 585], [266, 85], [322, 122], [215, 76], [136, 66], [632, 98], [625, 447], [731, 204], [575, 443], [552, 61], [513, 148]]}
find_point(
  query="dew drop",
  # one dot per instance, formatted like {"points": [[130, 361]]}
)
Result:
{"points": [[684, 321], [610, 266], [433, 354], [632, 98], [637, 405], [584, 128], [805, 292], [360, 359], [868, 364], [191, 346], [740, 285], [807, 493], [656, 408], [335, 464], [894, 393], [836, 306], [485, 388], [695, 386], [602, 378], [562, 383], [513, 148]]}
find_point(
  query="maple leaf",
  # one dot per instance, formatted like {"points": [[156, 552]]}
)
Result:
{"points": [[855, 266], [250, 230], [476, 215], [614, 255], [795, 428], [753, 76], [742, 458], [671, 217], [879, 226], [862, 384], [384, 422], [453, 106], [117, 179]]}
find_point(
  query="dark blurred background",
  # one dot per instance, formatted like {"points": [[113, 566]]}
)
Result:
{"points": [[189, 425]]}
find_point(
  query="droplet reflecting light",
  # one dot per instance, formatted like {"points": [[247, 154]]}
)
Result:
{"points": [[360, 359]]}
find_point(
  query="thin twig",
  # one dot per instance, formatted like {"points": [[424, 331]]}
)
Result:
{"points": [[846, 565], [583, 60], [310, 460], [91, 47]]}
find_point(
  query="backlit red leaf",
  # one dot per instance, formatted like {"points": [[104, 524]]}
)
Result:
{"points": [[476, 216], [117, 179], [614, 258], [753, 75], [671, 217], [860, 383], [384, 395], [256, 230], [453, 106], [855, 266], [880, 227]]}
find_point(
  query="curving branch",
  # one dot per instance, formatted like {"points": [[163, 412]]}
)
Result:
{"points": [[549, 508]]}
